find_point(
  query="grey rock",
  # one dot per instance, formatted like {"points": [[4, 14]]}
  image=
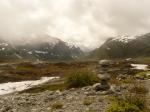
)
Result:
{"points": [[102, 87], [95, 85], [104, 76], [105, 63], [72, 100]]}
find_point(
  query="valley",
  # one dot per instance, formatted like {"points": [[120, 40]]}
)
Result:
{"points": [[54, 76], [74, 56], [55, 95]]}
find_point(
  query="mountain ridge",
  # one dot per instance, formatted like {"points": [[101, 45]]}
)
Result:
{"points": [[39, 50], [124, 47]]}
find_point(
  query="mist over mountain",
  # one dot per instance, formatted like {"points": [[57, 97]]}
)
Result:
{"points": [[83, 23], [49, 48], [124, 47], [88, 23]]}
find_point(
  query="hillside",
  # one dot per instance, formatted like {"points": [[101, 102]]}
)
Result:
{"points": [[54, 49], [124, 47]]}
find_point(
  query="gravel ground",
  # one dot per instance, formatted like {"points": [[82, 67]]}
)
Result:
{"points": [[74, 100]]}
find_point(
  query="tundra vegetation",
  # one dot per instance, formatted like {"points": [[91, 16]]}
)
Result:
{"points": [[82, 76]]}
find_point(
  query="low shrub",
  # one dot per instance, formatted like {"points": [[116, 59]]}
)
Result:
{"points": [[45, 87], [123, 107], [130, 103], [144, 74], [137, 100], [81, 78]]}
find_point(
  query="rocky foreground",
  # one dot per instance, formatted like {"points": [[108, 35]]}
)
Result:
{"points": [[74, 100], [87, 99]]}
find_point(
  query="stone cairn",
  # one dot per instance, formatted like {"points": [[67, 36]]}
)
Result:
{"points": [[104, 76]]}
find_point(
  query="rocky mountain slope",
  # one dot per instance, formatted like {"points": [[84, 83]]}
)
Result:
{"points": [[124, 47], [53, 49]]}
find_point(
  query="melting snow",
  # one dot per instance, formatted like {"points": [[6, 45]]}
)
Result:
{"points": [[30, 52], [128, 59], [3, 48], [11, 87], [140, 66], [41, 52]]}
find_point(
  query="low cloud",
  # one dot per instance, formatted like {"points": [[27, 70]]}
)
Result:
{"points": [[87, 23]]}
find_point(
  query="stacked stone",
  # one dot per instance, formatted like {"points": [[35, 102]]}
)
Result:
{"points": [[104, 76]]}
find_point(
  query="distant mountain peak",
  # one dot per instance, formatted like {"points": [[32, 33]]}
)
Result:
{"points": [[47, 48], [124, 47]]}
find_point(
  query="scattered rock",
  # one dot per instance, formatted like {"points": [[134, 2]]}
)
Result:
{"points": [[103, 86], [58, 92], [72, 101], [95, 85]]}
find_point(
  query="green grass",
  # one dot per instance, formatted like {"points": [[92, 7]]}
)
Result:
{"points": [[50, 87], [81, 78], [123, 107], [75, 78], [131, 103], [143, 74], [31, 71]]}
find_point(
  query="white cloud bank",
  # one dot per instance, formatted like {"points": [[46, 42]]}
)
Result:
{"points": [[85, 22]]}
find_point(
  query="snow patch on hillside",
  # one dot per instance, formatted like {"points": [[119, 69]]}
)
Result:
{"points": [[125, 39], [41, 52]]}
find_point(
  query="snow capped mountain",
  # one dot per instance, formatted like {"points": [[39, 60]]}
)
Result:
{"points": [[45, 49], [124, 47]]}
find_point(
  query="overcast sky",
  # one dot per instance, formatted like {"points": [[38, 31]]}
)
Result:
{"points": [[85, 22]]}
